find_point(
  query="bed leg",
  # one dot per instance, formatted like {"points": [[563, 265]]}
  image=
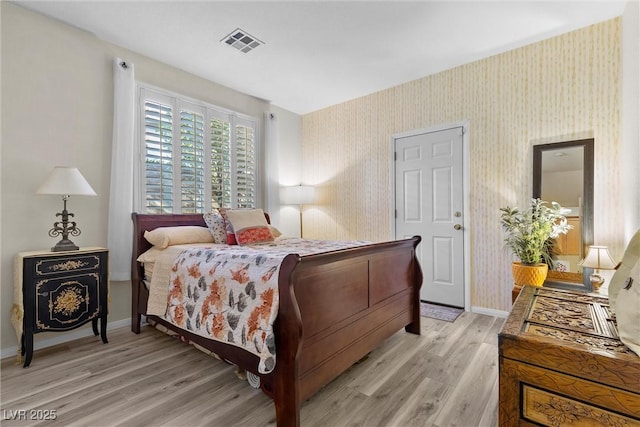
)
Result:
{"points": [[287, 409], [136, 318], [413, 327]]}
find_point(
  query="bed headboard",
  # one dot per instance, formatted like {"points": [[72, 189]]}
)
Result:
{"points": [[148, 222]]}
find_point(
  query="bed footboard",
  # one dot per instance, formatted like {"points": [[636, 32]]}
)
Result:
{"points": [[334, 309]]}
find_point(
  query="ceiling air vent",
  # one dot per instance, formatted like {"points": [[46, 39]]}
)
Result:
{"points": [[242, 40]]}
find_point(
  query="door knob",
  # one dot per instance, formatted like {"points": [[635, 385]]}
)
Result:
{"points": [[457, 227]]}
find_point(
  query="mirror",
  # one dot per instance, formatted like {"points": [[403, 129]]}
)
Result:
{"points": [[563, 173]]}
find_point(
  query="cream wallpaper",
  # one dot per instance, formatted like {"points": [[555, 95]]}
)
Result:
{"points": [[566, 87]]}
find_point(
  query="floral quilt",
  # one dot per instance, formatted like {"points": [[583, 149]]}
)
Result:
{"points": [[230, 293]]}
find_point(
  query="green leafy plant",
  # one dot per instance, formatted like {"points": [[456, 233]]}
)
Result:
{"points": [[529, 233]]}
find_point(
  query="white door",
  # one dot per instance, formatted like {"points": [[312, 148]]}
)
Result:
{"points": [[429, 203]]}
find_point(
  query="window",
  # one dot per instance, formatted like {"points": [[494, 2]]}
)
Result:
{"points": [[194, 156]]}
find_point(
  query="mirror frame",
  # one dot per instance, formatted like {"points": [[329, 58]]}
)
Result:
{"points": [[571, 280]]}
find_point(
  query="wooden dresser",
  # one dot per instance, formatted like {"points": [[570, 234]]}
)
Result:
{"points": [[562, 364]]}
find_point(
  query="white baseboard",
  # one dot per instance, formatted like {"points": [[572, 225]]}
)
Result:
{"points": [[66, 337], [490, 312]]}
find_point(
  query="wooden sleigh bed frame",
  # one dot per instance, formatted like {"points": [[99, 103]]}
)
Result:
{"points": [[335, 308]]}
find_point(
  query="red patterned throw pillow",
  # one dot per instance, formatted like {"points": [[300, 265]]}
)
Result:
{"points": [[249, 226], [257, 234]]}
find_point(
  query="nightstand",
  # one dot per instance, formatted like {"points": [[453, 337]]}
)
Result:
{"points": [[59, 291]]}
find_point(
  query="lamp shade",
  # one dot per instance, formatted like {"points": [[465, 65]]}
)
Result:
{"points": [[297, 195], [598, 257], [66, 181]]}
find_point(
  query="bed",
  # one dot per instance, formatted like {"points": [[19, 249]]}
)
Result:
{"points": [[334, 308]]}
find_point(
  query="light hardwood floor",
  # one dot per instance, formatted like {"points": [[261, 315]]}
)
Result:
{"points": [[448, 376]]}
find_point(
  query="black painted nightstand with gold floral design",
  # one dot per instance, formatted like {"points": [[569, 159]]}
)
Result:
{"points": [[61, 291]]}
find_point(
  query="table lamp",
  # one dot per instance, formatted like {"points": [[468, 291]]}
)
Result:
{"points": [[598, 258], [65, 181]]}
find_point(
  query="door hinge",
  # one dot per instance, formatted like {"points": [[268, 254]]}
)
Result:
{"points": [[395, 212], [395, 156]]}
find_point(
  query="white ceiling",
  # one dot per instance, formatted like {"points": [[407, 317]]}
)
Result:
{"points": [[563, 159], [320, 53]]}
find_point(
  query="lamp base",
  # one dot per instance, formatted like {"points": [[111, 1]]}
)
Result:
{"points": [[64, 245], [64, 228], [596, 281]]}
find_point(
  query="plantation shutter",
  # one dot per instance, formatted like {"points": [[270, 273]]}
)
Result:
{"points": [[220, 163], [245, 175], [192, 162], [203, 159], [158, 162]]}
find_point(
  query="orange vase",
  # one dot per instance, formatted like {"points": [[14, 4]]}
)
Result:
{"points": [[533, 275]]}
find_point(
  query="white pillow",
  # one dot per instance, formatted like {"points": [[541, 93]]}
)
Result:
{"points": [[150, 255], [625, 299], [168, 236], [628, 311], [148, 260], [629, 260], [275, 231]]}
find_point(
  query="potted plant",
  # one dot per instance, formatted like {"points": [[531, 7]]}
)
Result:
{"points": [[528, 234]]}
